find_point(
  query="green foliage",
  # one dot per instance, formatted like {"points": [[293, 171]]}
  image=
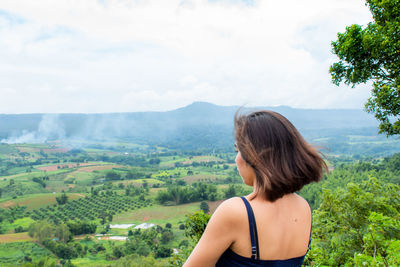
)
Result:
{"points": [[356, 225], [388, 170], [195, 225], [372, 53]]}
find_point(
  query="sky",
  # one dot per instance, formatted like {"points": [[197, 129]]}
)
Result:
{"points": [[74, 56]]}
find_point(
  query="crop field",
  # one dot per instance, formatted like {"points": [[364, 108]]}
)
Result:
{"points": [[11, 238], [88, 208]]}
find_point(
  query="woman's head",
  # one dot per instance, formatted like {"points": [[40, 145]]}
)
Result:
{"points": [[283, 162]]}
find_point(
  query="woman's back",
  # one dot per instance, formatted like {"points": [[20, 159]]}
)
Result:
{"points": [[283, 227], [276, 161]]}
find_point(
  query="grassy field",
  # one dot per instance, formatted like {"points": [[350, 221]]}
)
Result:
{"points": [[35, 201], [157, 214]]}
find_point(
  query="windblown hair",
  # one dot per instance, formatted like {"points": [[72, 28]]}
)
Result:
{"points": [[282, 160]]}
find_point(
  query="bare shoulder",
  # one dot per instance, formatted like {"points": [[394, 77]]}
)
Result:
{"points": [[231, 210], [302, 203], [232, 204]]}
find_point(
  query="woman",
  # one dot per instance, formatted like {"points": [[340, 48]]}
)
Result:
{"points": [[272, 225]]}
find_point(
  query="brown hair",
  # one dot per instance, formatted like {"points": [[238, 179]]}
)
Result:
{"points": [[282, 160]]}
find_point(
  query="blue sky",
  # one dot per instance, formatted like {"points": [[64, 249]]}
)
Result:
{"points": [[122, 55]]}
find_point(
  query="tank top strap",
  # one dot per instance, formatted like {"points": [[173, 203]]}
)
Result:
{"points": [[255, 253]]}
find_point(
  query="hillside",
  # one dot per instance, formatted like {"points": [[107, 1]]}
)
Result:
{"points": [[200, 125]]}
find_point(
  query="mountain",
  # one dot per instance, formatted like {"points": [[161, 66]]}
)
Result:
{"points": [[198, 125]]}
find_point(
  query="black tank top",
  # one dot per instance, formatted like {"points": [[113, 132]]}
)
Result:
{"points": [[230, 258]]}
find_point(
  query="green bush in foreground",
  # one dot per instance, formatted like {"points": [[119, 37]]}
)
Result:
{"points": [[357, 226], [195, 225]]}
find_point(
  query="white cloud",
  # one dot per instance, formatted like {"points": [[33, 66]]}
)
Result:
{"points": [[121, 55]]}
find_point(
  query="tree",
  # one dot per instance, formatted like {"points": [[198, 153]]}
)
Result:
{"points": [[204, 207], [113, 175], [373, 54], [62, 233], [230, 191], [163, 252], [42, 230], [166, 236], [61, 200]]}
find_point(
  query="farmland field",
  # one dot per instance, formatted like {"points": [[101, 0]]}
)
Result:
{"points": [[18, 237], [57, 204], [157, 214]]}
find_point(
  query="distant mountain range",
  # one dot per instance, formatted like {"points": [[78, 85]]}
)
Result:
{"points": [[199, 125]]}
